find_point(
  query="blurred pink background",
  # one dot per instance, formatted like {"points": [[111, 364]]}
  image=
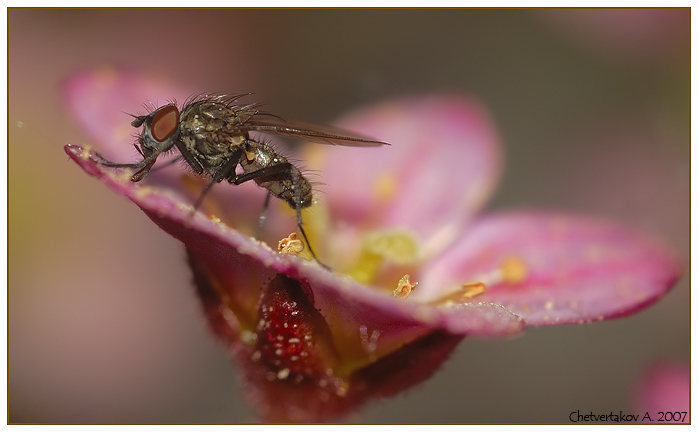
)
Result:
{"points": [[104, 326]]}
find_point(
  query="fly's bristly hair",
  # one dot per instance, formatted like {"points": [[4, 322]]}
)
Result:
{"points": [[149, 107], [231, 101], [223, 98]]}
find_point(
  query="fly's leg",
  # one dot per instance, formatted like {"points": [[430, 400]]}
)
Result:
{"points": [[143, 167], [191, 160], [299, 221], [222, 173], [273, 170], [167, 164], [263, 216], [101, 160]]}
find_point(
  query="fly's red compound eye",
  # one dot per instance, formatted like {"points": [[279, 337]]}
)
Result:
{"points": [[164, 123]]}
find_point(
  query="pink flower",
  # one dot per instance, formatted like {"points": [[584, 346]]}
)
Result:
{"points": [[662, 396], [415, 269], [649, 35]]}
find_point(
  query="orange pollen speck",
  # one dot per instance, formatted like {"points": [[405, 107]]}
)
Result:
{"points": [[405, 287], [291, 245]]}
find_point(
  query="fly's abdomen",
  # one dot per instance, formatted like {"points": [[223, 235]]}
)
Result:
{"points": [[286, 183]]}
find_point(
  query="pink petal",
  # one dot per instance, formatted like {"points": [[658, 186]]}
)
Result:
{"points": [[237, 260], [665, 388], [442, 165], [578, 270]]}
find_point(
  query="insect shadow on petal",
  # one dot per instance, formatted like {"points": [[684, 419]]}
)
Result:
{"points": [[212, 135]]}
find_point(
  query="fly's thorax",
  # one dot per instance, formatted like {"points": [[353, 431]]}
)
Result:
{"points": [[206, 133], [210, 121], [208, 115], [212, 151]]}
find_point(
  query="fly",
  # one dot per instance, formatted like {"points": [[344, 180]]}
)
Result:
{"points": [[211, 134]]}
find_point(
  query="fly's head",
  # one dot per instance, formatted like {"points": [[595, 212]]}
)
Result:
{"points": [[160, 130], [160, 133]]}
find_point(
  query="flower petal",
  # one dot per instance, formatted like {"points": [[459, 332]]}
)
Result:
{"points": [[443, 163], [233, 259], [577, 270], [665, 388]]}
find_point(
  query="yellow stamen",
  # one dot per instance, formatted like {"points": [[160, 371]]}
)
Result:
{"points": [[398, 247], [513, 270], [466, 291], [472, 289], [405, 287], [385, 187]]}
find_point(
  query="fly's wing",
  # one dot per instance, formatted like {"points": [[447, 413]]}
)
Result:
{"points": [[307, 131]]}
